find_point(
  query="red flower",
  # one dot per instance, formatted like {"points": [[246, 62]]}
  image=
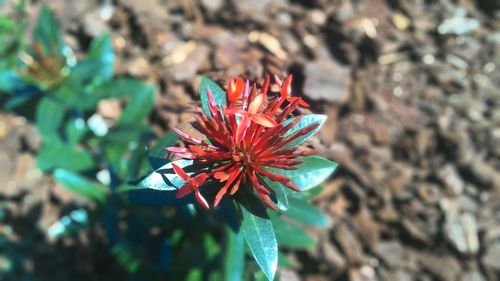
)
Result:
{"points": [[246, 137]]}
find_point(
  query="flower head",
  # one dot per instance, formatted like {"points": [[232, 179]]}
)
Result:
{"points": [[245, 138]]}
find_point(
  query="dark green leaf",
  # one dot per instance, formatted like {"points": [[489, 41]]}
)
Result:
{"points": [[55, 154], [75, 129], [194, 275], [137, 159], [306, 213], [280, 192], [158, 150], [102, 51], [119, 88], [83, 72], [212, 248], [47, 32], [80, 185], [234, 259], [139, 107], [124, 134], [259, 235], [306, 121], [217, 92], [291, 235], [127, 256], [313, 171], [283, 261], [49, 116]]}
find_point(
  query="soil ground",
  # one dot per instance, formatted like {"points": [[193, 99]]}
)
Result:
{"points": [[411, 92]]}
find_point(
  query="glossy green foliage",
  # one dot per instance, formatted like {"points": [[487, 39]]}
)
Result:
{"points": [[260, 238], [80, 185], [305, 121]]}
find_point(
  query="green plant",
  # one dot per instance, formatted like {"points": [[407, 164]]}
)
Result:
{"points": [[143, 198], [250, 159]]}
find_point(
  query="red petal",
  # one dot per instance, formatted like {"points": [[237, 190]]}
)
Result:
{"points": [[234, 89], [200, 179], [256, 104], [212, 106], [221, 176], [235, 111], [180, 172], [236, 186], [303, 103], [201, 199], [197, 150], [246, 94], [186, 136], [267, 200], [286, 88], [184, 190], [264, 120], [224, 189], [265, 87], [242, 128], [176, 149]]}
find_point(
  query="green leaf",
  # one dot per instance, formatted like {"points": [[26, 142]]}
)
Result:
{"points": [[260, 238], [158, 150], [136, 160], [6, 24], [212, 248], [127, 256], [194, 275], [75, 129], [283, 230], [82, 73], [217, 92], [119, 88], [49, 116], [80, 185], [234, 259], [313, 171], [125, 134], [306, 213], [102, 51], [139, 107], [283, 261], [280, 192], [97, 67], [55, 154], [47, 32], [305, 121]]}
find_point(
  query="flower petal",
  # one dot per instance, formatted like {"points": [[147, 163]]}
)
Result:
{"points": [[234, 89], [200, 179], [180, 172], [286, 87], [242, 128], [201, 199], [256, 104], [184, 190], [264, 120]]}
